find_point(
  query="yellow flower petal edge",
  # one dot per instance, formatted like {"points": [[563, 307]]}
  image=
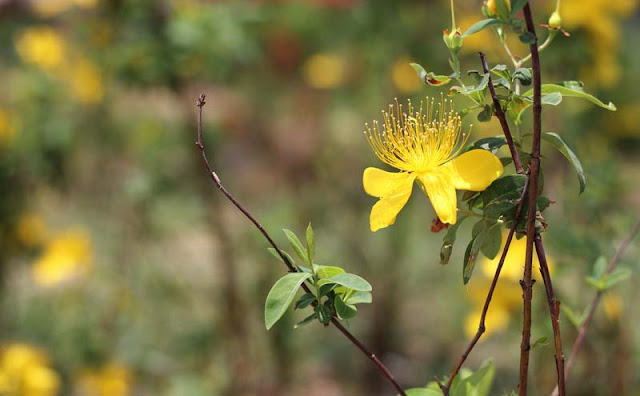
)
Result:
{"points": [[384, 212], [379, 183], [439, 187], [474, 170]]}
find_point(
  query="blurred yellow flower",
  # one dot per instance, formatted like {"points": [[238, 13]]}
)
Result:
{"points": [[24, 371], [41, 46], [31, 230], [7, 127], [601, 19], [86, 82], [66, 256], [513, 267], [110, 380], [507, 297], [612, 304], [324, 71], [423, 144], [404, 77], [497, 320]]}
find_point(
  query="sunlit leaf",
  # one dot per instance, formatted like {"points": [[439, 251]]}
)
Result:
{"points": [[281, 296]]}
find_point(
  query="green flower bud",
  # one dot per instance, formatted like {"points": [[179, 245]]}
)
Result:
{"points": [[555, 20], [453, 40]]}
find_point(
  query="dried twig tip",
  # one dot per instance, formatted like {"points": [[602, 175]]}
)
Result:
{"points": [[200, 102]]}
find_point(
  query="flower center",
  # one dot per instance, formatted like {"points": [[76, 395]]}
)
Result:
{"points": [[420, 139]]}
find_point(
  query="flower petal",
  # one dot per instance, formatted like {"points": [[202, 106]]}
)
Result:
{"points": [[474, 170], [439, 187], [379, 183], [384, 212]]}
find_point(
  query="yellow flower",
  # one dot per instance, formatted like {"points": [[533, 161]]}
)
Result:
{"points": [[513, 267], [423, 145], [324, 71], [67, 256], [86, 82], [507, 296], [110, 380], [24, 371], [404, 77], [41, 46]]}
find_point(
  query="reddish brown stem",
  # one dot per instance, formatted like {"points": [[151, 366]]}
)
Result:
{"points": [[216, 180], [554, 312], [501, 117], [594, 303], [481, 327], [534, 167]]}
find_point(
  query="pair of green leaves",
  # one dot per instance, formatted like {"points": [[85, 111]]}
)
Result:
{"points": [[341, 291], [466, 383]]}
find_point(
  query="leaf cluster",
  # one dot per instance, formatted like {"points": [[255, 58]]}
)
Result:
{"points": [[334, 293]]}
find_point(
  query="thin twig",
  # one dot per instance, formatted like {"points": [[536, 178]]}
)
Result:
{"points": [[481, 327], [534, 168], [554, 312], [380, 366], [501, 116], [596, 300]]}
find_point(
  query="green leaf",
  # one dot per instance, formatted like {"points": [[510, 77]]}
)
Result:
{"points": [[527, 38], [324, 289], [542, 341], [344, 311], [492, 241], [281, 295], [481, 25], [599, 267], [448, 241], [423, 392], [470, 256], [553, 99], [559, 143], [296, 245], [615, 277], [572, 91], [323, 313], [359, 297], [524, 74], [304, 301], [477, 384], [485, 114], [543, 203], [502, 71], [516, 6], [429, 77], [501, 197], [573, 317], [327, 271], [286, 255], [503, 8], [489, 143], [311, 245], [351, 281], [305, 321]]}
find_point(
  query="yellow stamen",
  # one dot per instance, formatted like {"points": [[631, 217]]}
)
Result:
{"points": [[419, 140]]}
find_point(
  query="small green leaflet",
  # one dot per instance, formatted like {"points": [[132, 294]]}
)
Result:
{"points": [[281, 296], [571, 89], [481, 25], [559, 143]]}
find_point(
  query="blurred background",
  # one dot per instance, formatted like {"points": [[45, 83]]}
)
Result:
{"points": [[123, 271]]}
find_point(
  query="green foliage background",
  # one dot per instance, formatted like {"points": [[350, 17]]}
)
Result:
{"points": [[178, 278]]}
